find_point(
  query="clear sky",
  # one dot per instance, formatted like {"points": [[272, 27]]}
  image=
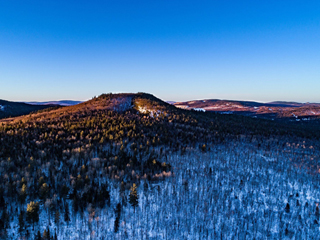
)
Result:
{"points": [[176, 50]]}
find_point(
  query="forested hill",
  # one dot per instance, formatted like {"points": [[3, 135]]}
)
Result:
{"points": [[79, 159], [146, 106], [137, 119], [13, 109], [279, 111]]}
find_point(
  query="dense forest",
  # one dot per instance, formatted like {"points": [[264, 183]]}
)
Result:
{"points": [[13, 109], [130, 166]]}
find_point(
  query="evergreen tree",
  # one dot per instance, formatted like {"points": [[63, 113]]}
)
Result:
{"points": [[21, 221], [133, 196], [117, 220], [44, 191], [287, 208], [45, 235], [203, 148], [122, 194], [33, 212], [2, 201], [57, 218], [48, 232], [66, 213], [4, 224], [23, 193], [38, 236]]}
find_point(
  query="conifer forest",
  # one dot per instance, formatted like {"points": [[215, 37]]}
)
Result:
{"points": [[130, 166]]}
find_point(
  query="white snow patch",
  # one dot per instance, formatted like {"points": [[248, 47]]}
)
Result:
{"points": [[142, 109], [152, 113], [182, 106], [2, 108], [199, 109], [268, 159]]}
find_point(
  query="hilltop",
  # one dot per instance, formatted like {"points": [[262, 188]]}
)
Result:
{"points": [[139, 102], [141, 107], [121, 157], [132, 118]]}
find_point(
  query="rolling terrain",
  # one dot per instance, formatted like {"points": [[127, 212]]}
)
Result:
{"points": [[131, 166], [273, 110], [13, 109], [60, 103]]}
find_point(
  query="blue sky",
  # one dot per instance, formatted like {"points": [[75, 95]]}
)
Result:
{"points": [[176, 50]]}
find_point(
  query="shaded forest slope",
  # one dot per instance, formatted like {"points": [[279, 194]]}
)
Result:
{"points": [[13, 109]]}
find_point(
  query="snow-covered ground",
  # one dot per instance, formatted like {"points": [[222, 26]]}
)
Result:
{"points": [[182, 106], [199, 109], [151, 112], [226, 112], [234, 191]]}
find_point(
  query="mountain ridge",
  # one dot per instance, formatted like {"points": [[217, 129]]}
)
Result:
{"points": [[272, 110], [279, 110], [14, 109], [141, 106], [59, 102], [119, 102]]}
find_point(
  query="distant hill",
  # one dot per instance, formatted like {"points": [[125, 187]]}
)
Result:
{"points": [[111, 155], [171, 102], [141, 102], [273, 110], [61, 103], [14, 109], [219, 117]]}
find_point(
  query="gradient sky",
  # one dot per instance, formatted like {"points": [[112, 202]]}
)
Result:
{"points": [[176, 50]]}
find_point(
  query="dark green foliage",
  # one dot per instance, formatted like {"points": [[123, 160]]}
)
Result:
{"points": [[203, 148], [4, 221], [38, 236], [21, 221], [117, 220], [2, 201], [23, 193], [44, 191], [57, 217], [66, 213], [64, 191], [287, 208], [133, 196], [46, 234], [13, 109], [33, 209]]}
